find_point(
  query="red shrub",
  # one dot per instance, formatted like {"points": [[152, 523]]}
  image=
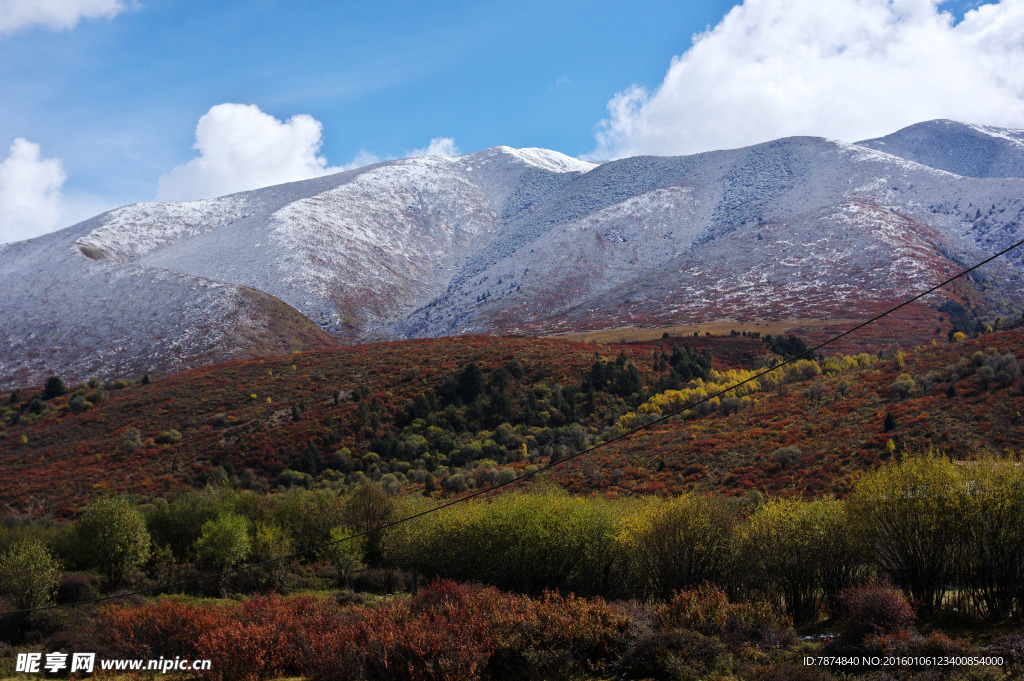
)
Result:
{"points": [[166, 627], [707, 610], [874, 609], [448, 632], [912, 644]]}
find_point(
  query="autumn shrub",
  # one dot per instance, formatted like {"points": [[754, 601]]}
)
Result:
{"points": [[698, 633], [448, 631], [164, 627], [557, 635], [260, 638], [788, 671], [913, 644], [440, 635], [786, 456], [168, 437], [873, 610], [707, 610]]}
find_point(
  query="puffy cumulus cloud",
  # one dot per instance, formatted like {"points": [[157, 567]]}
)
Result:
{"points": [[240, 148], [55, 14], [439, 146], [847, 69], [30, 197]]}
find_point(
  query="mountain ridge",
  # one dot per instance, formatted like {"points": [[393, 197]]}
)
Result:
{"points": [[512, 241]]}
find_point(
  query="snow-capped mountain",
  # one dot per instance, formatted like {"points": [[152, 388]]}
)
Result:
{"points": [[512, 241], [961, 148]]}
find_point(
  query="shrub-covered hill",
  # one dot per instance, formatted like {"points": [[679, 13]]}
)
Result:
{"points": [[811, 434], [325, 412], [445, 415]]}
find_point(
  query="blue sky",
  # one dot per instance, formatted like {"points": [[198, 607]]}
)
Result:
{"points": [[115, 99], [118, 99]]}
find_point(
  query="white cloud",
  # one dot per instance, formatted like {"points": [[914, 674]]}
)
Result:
{"points": [[30, 198], [847, 69], [55, 14], [439, 146], [241, 148]]}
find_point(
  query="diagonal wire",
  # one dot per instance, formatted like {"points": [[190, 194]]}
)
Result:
{"points": [[548, 466]]}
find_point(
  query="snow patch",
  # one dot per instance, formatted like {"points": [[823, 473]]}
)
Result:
{"points": [[126, 234], [1013, 135], [869, 154], [550, 160]]}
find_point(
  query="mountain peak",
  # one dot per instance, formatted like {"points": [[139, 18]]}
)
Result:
{"points": [[966, 149], [545, 159]]}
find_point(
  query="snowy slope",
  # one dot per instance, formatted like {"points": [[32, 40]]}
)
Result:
{"points": [[508, 240], [961, 148], [795, 227]]}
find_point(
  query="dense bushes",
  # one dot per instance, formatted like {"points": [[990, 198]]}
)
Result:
{"points": [[520, 542], [944, 533], [673, 544], [449, 631], [801, 553], [947, 534]]}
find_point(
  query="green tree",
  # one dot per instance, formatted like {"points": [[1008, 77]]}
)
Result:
{"points": [[179, 521], [841, 552], [114, 532], [910, 512], [369, 507], [991, 544], [470, 382], [904, 386], [308, 516], [675, 544], [29, 575], [224, 542], [780, 551], [54, 387], [269, 542], [344, 553]]}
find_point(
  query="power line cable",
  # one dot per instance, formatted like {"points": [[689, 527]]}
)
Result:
{"points": [[548, 466]]}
